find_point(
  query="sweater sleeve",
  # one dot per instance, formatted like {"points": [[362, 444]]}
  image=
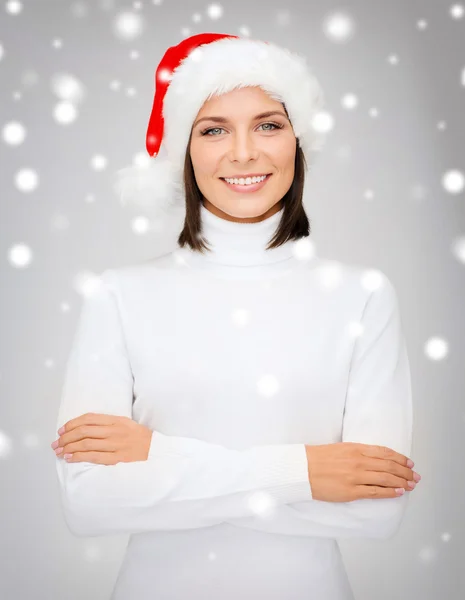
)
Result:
{"points": [[378, 411], [185, 482]]}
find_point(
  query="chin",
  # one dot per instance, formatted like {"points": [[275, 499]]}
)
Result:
{"points": [[246, 208]]}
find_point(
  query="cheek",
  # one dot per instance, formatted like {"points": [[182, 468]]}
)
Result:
{"points": [[205, 162], [283, 153]]}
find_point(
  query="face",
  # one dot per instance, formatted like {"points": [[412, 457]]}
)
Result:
{"points": [[229, 141]]}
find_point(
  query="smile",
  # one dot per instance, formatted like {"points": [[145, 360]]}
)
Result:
{"points": [[251, 187]]}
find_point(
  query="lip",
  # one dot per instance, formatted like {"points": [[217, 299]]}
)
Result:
{"points": [[247, 189]]}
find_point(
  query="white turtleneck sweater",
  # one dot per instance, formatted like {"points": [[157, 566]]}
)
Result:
{"points": [[235, 360]]}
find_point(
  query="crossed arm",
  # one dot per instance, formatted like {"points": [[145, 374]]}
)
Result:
{"points": [[188, 483]]}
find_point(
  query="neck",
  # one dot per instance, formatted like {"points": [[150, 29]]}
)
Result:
{"points": [[239, 249]]}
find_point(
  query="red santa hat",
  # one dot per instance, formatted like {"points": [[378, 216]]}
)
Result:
{"points": [[188, 75]]}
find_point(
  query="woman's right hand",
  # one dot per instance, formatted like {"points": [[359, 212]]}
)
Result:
{"points": [[347, 471]]}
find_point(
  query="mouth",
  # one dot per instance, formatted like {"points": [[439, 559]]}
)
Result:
{"points": [[245, 189]]}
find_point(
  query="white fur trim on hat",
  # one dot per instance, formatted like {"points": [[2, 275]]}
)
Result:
{"points": [[230, 63], [215, 69]]}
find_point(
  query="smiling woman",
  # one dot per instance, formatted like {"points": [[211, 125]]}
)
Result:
{"points": [[243, 148], [268, 431], [246, 148]]}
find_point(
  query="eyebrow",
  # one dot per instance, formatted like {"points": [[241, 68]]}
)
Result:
{"points": [[225, 120]]}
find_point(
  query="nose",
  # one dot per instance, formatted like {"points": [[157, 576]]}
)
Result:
{"points": [[243, 148]]}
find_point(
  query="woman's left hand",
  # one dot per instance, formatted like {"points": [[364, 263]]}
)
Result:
{"points": [[103, 439]]}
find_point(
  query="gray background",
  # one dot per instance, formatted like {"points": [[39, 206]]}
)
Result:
{"points": [[73, 223]]}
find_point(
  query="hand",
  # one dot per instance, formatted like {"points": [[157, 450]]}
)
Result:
{"points": [[104, 439], [348, 471]]}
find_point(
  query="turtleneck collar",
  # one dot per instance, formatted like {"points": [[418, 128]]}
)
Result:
{"points": [[242, 244], [239, 249]]}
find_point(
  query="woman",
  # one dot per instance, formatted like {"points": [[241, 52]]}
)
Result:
{"points": [[238, 404]]}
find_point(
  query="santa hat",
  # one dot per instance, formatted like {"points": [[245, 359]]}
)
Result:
{"points": [[188, 75]]}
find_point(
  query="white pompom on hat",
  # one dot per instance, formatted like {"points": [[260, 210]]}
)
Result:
{"points": [[190, 73]]}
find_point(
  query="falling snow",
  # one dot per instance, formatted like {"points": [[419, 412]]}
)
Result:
{"points": [[390, 192]]}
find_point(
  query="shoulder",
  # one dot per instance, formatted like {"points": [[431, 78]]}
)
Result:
{"points": [[143, 281], [137, 271], [377, 290], [358, 284]]}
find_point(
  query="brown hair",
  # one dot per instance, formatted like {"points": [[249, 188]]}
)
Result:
{"points": [[294, 223]]}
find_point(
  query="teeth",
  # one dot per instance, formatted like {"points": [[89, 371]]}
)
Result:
{"points": [[247, 181]]}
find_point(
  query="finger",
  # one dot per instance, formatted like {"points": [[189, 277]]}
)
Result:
{"points": [[98, 458], [88, 419], [385, 453], [383, 479], [83, 432], [389, 466], [90, 445], [374, 491]]}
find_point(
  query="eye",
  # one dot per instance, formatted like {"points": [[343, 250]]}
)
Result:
{"points": [[206, 131], [274, 125]]}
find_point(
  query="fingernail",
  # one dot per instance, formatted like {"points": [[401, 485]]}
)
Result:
{"points": [[411, 484], [67, 456], [61, 430], [410, 463], [416, 476]]}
